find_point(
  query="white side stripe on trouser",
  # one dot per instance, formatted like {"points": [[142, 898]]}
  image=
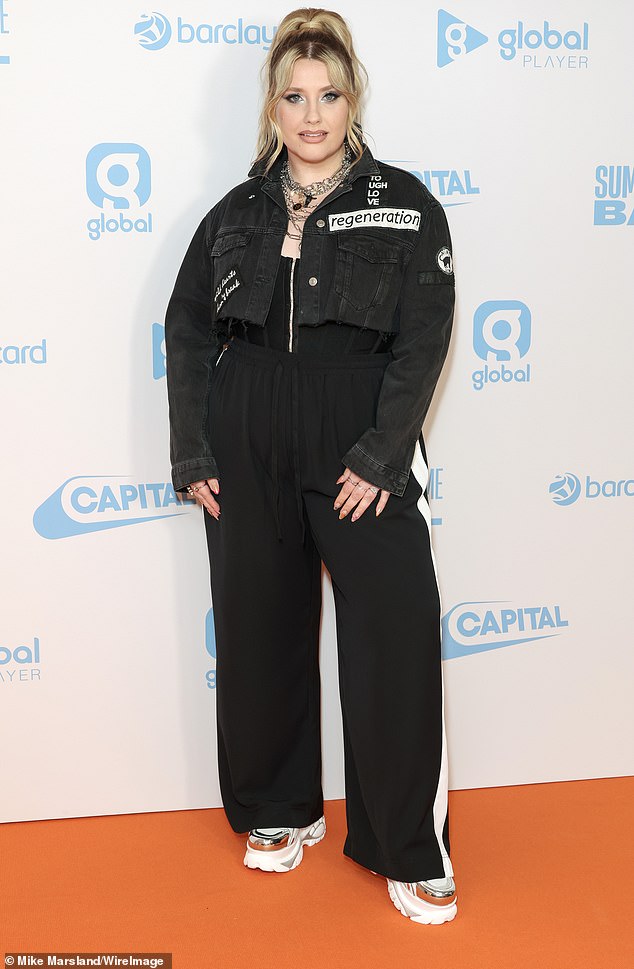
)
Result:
{"points": [[421, 473]]}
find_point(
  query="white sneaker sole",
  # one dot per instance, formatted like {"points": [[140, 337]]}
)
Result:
{"points": [[418, 910], [289, 857]]}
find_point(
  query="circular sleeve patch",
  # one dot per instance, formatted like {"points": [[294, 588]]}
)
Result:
{"points": [[444, 260]]}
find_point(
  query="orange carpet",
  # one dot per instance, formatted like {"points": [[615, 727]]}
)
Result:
{"points": [[545, 877]]}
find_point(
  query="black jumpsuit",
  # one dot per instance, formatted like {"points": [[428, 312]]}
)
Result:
{"points": [[286, 402]]}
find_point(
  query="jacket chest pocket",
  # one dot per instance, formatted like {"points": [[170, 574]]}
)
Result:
{"points": [[367, 271], [230, 274]]}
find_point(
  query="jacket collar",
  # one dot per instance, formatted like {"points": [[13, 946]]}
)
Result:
{"points": [[366, 165]]}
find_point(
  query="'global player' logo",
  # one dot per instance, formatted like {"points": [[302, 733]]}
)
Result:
{"points": [[456, 38], [541, 46]]}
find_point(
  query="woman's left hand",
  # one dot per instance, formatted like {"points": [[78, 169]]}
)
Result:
{"points": [[357, 491]]}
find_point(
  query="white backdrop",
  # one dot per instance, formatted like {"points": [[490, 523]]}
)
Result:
{"points": [[518, 117]]}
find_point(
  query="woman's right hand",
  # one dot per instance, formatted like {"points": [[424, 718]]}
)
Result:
{"points": [[203, 492]]}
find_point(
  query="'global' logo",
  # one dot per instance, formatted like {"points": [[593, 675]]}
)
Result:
{"points": [[154, 32], [567, 488], [501, 337], [118, 180], [456, 38], [90, 504], [158, 351], [612, 191], [476, 627]]}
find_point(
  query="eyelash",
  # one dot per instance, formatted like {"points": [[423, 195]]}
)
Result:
{"points": [[288, 97]]}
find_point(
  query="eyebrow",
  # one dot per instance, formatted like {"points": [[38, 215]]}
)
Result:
{"points": [[302, 91]]}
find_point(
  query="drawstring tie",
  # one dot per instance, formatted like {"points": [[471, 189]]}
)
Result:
{"points": [[295, 445]]}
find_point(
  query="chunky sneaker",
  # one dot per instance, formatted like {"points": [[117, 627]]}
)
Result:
{"points": [[281, 849], [431, 902]]}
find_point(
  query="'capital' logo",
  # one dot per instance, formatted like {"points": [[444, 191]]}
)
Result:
{"points": [[91, 504], [476, 627]]}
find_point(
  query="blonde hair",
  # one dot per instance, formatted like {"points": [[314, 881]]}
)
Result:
{"points": [[316, 34]]}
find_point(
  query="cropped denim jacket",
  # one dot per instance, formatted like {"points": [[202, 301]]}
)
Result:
{"points": [[376, 253]]}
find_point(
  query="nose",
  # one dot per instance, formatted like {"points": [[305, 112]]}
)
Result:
{"points": [[312, 115]]}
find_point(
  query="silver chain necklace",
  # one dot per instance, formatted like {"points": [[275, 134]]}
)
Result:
{"points": [[310, 192]]}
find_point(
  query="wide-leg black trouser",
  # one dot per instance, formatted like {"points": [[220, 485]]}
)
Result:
{"points": [[278, 425]]}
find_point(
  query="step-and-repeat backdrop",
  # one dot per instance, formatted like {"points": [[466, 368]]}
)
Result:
{"points": [[121, 126]]}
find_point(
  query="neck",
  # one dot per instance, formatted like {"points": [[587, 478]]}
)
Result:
{"points": [[306, 172]]}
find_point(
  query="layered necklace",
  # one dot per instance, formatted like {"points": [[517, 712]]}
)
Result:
{"points": [[298, 212]]}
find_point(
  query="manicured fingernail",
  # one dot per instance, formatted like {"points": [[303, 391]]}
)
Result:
{"points": [[354, 518]]}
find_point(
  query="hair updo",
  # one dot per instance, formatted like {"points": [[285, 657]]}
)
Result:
{"points": [[316, 34]]}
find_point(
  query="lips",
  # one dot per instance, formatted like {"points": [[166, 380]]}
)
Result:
{"points": [[312, 135]]}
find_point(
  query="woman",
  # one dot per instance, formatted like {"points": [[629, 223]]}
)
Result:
{"points": [[307, 329]]}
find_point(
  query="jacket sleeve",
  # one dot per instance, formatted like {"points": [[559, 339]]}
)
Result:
{"points": [[384, 453], [191, 351]]}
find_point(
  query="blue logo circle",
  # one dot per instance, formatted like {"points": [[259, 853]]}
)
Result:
{"points": [[154, 32], [565, 489]]}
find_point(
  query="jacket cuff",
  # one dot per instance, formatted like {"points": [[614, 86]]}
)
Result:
{"points": [[195, 470], [377, 474]]}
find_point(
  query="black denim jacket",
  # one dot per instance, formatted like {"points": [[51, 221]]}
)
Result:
{"points": [[376, 253]]}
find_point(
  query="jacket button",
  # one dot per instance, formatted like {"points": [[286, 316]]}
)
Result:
{"points": [[312, 281], [320, 223]]}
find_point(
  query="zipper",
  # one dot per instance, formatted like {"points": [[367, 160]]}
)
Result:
{"points": [[290, 316]]}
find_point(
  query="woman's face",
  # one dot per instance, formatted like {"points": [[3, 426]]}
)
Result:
{"points": [[313, 116]]}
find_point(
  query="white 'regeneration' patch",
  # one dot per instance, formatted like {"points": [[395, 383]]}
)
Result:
{"points": [[394, 218], [444, 260]]}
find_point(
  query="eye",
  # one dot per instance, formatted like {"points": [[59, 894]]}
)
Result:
{"points": [[329, 96]]}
